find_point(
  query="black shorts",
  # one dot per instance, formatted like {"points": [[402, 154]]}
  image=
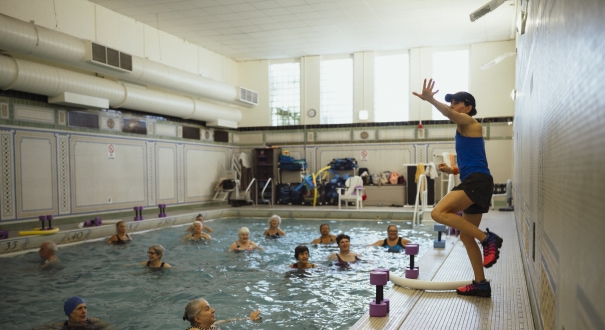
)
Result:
{"points": [[479, 187]]}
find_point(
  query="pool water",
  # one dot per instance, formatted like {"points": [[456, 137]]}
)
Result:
{"points": [[129, 296]]}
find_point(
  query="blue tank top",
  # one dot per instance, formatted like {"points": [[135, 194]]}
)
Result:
{"points": [[471, 155]]}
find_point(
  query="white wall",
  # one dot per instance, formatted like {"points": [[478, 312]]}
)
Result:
{"points": [[491, 88]]}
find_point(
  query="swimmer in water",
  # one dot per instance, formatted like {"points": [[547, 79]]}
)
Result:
{"points": [[274, 231], [244, 243], [393, 242], [155, 254], [345, 256], [197, 234], [120, 237], [326, 237], [205, 228], [301, 253]]}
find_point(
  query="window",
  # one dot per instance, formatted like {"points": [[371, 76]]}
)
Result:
{"points": [[450, 72], [284, 93], [391, 88], [336, 91]]}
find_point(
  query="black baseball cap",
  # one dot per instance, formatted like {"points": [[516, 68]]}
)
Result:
{"points": [[465, 97]]}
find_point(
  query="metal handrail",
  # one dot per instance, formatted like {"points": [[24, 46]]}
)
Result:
{"points": [[422, 187], [247, 192], [262, 194]]}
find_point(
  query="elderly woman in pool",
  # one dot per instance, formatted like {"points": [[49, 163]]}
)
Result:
{"points": [[155, 254], [205, 228], [201, 316], [345, 256], [120, 237], [244, 243], [197, 234], [326, 237], [301, 253], [274, 231]]}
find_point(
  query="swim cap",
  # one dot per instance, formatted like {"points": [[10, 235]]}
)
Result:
{"points": [[71, 304]]}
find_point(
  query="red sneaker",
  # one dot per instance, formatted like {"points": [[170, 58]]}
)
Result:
{"points": [[491, 249], [479, 289]]}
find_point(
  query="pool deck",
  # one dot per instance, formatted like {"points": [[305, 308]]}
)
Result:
{"points": [[508, 308]]}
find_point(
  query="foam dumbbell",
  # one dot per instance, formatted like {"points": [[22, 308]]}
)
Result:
{"points": [[411, 250], [439, 243], [379, 307]]}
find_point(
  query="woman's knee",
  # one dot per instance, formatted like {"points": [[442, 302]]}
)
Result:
{"points": [[437, 214]]}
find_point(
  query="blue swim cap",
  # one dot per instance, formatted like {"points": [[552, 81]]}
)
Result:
{"points": [[71, 304]]}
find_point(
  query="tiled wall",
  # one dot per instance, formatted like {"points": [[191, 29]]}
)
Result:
{"points": [[559, 157], [52, 167]]}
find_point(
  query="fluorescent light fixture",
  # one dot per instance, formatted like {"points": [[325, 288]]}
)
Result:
{"points": [[497, 60], [486, 9]]}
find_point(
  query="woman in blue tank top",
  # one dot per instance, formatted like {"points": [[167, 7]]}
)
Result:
{"points": [[473, 195]]}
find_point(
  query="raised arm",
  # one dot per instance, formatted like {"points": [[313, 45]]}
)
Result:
{"points": [[428, 94], [379, 242]]}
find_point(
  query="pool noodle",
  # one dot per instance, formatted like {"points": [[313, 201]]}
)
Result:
{"points": [[315, 176], [427, 285]]}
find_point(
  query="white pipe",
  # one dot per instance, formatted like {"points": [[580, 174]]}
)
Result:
{"points": [[43, 79], [33, 40], [427, 285]]}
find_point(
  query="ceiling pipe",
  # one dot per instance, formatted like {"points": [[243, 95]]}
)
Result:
{"points": [[37, 78], [33, 41]]}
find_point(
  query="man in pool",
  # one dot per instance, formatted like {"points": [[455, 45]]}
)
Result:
{"points": [[77, 313], [393, 242], [48, 253]]}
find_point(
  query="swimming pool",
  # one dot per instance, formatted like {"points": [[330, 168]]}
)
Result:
{"points": [[130, 296]]}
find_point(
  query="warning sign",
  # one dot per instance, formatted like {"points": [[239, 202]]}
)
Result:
{"points": [[111, 151]]}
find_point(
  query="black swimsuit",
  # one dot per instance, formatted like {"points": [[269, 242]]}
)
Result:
{"points": [[149, 262], [120, 241]]}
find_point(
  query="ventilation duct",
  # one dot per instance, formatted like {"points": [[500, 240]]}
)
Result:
{"points": [[25, 38], [248, 96], [32, 77], [111, 58]]}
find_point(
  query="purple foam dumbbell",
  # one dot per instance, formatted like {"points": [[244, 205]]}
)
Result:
{"points": [[43, 219], [379, 307], [411, 250]]}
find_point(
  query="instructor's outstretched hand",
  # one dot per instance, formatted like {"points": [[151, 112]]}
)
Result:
{"points": [[427, 90]]}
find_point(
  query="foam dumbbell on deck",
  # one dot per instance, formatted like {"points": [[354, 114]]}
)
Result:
{"points": [[379, 307], [411, 250], [439, 243]]}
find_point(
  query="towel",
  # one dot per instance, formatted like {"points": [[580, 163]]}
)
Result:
{"points": [[431, 170]]}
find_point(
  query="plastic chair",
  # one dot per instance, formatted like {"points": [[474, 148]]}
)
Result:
{"points": [[352, 192]]}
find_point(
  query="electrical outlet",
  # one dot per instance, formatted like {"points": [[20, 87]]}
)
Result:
{"points": [[109, 200]]}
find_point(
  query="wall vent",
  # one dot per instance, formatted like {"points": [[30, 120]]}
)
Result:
{"points": [[109, 57], [248, 96]]}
